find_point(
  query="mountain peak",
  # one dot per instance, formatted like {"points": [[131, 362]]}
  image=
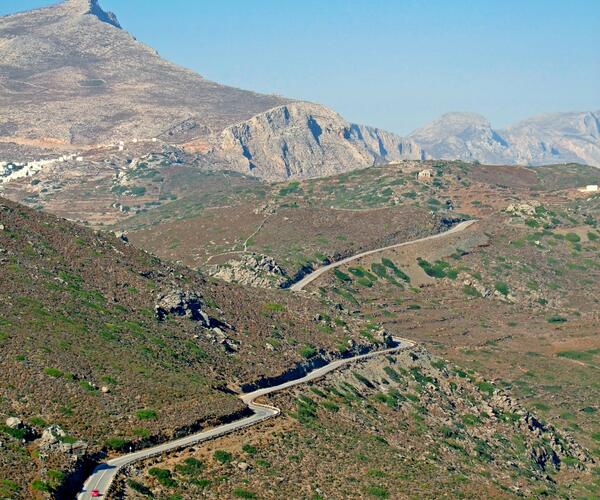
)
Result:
{"points": [[92, 7]]}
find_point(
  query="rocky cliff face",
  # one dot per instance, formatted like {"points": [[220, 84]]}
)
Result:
{"points": [[544, 139], [70, 76], [303, 140]]}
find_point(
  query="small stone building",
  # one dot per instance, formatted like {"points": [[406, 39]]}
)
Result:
{"points": [[425, 175]]}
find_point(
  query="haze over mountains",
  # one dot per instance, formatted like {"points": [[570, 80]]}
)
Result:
{"points": [[72, 78], [539, 140]]}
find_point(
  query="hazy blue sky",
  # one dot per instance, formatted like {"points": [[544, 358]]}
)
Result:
{"points": [[395, 64]]}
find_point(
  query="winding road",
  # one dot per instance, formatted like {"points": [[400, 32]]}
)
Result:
{"points": [[104, 474], [309, 278]]}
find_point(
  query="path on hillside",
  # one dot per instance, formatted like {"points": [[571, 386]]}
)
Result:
{"points": [[104, 474], [309, 278]]}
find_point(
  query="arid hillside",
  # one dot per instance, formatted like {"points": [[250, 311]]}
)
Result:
{"points": [[119, 349]]}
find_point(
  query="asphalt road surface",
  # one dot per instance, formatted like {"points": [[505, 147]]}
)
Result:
{"points": [[105, 473], [309, 278]]}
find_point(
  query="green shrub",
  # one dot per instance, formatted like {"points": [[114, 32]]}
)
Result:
{"points": [[342, 276], [592, 236], [15, 433], [53, 372], [89, 387], [357, 271], [222, 456], [117, 443], [556, 319], [393, 374], [486, 387], [39, 485], [331, 406], [163, 476], [470, 419], [572, 238], [242, 493], [8, 488], [190, 467], [437, 270], [364, 281], [379, 269], [139, 488], [292, 187], [471, 291], [502, 288], [378, 492], [249, 449], [146, 414], [308, 351]]}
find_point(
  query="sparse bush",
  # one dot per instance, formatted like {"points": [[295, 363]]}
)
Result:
{"points": [[556, 319], [342, 276], [249, 449], [274, 307], [242, 493], [572, 238], [190, 467], [139, 488], [53, 372], [163, 476], [502, 288], [308, 351], [146, 414], [222, 456], [471, 291]]}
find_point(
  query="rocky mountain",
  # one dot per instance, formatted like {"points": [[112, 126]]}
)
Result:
{"points": [[304, 140], [72, 78], [543, 139]]}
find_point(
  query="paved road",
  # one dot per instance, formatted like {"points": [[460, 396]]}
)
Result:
{"points": [[104, 474], [309, 278]]}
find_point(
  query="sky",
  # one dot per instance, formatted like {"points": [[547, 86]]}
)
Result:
{"points": [[394, 64]]}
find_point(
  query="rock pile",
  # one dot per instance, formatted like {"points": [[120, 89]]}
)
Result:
{"points": [[181, 303], [251, 269]]}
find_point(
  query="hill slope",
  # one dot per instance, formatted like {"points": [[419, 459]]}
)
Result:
{"points": [[71, 77], [120, 349]]}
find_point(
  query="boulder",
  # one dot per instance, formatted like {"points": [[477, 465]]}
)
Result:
{"points": [[51, 436], [14, 423], [181, 303], [251, 269]]}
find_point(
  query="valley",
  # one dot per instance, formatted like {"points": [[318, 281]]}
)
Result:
{"points": [[210, 292]]}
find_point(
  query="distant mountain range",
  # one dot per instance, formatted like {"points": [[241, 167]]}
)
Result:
{"points": [[542, 139], [72, 78]]}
